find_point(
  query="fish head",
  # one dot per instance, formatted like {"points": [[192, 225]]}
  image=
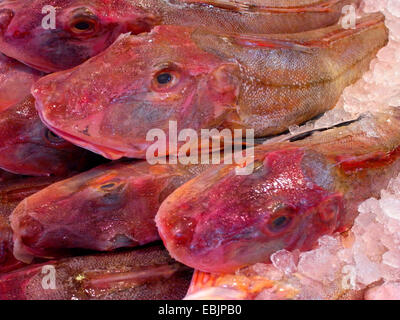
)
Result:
{"points": [[141, 83], [53, 35], [28, 147], [285, 203], [108, 207]]}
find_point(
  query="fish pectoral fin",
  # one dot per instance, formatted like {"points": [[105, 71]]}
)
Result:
{"points": [[249, 6], [264, 41]]}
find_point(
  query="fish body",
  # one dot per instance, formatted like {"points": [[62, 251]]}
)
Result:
{"points": [[204, 80], [12, 191], [142, 274], [109, 207], [16, 81], [298, 191], [28, 147], [84, 28]]}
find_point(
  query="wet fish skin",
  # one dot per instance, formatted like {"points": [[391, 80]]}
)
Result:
{"points": [[298, 192], [13, 190], [266, 83], [16, 81], [23, 37], [142, 274], [28, 147], [112, 206]]}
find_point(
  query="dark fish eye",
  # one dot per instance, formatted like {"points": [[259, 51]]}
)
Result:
{"points": [[83, 22], [279, 223], [111, 186], [83, 25], [164, 78], [108, 186], [280, 220], [53, 138]]}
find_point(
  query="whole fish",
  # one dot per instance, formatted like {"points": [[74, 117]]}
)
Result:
{"points": [[204, 80], [12, 191], [298, 191], [28, 147], [16, 81], [106, 208], [83, 28], [142, 274]]}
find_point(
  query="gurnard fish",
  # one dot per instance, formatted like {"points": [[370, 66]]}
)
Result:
{"points": [[28, 147], [109, 207], [16, 81], [203, 80], [142, 274], [298, 191], [12, 191], [85, 28]]}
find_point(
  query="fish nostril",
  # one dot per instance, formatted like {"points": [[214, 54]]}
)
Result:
{"points": [[6, 15]]}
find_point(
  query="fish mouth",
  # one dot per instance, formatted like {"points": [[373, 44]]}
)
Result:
{"points": [[106, 152], [39, 67], [109, 153]]}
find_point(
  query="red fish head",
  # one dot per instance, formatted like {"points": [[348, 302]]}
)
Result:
{"points": [[106, 208], [28, 147], [110, 103], [284, 204], [81, 29]]}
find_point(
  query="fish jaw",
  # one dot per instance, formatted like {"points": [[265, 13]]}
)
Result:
{"points": [[280, 206], [95, 106], [24, 37]]}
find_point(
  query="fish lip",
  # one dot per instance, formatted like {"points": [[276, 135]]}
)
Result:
{"points": [[39, 68], [76, 140], [106, 152]]}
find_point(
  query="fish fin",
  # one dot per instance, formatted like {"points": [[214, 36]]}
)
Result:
{"points": [[248, 6], [201, 280], [98, 282], [264, 41], [308, 42]]}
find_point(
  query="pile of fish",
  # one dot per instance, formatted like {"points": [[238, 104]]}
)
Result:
{"points": [[83, 215]]}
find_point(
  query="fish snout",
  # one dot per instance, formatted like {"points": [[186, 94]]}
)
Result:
{"points": [[6, 15]]}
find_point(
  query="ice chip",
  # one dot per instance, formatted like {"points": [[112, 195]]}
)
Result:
{"points": [[284, 261], [387, 291]]}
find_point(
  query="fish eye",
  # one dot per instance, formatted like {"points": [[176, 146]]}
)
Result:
{"points": [[281, 220], [279, 223], [53, 138], [84, 22], [165, 79], [108, 186], [83, 25], [111, 186]]}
